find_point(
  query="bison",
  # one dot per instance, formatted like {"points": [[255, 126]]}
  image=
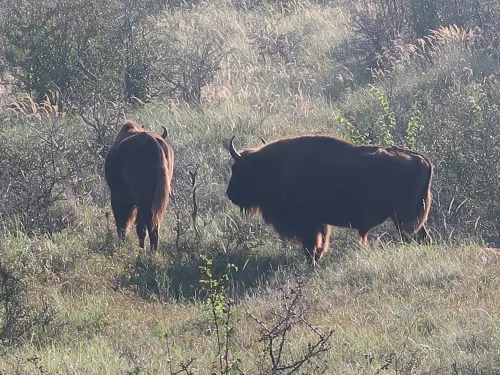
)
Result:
{"points": [[304, 185], [138, 169]]}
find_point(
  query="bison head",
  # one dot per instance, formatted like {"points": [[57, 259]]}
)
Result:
{"points": [[242, 188]]}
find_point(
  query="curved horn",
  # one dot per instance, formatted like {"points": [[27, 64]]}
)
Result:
{"points": [[263, 140], [235, 154], [164, 135]]}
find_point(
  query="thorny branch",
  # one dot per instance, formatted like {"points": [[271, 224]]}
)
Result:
{"points": [[275, 337], [194, 187]]}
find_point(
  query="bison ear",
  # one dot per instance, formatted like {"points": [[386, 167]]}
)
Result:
{"points": [[164, 135], [263, 140]]}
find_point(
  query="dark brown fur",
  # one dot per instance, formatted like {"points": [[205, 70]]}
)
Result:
{"points": [[139, 168], [304, 185]]}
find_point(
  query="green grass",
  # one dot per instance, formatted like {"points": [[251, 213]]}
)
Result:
{"points": [[407, 308]]}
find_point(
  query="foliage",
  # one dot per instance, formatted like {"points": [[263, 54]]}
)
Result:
{"points": [[277, 343], [353, 134], [386, 30], [188, 53], [286, 46], [18, 315], [75, 46], [386, 122], [276, 337], [40, 193], [433, 89], [218, 304], [384, 130], [63, 45]]}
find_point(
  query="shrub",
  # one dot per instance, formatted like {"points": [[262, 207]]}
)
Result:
{"points": [[282, 46], [436, 103], [188, 52], [19, 315], [46, 166], [87, 50]]}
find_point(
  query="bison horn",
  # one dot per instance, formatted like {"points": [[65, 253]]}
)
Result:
{"points": [[235, 154], [263, 140], [165, 132]]}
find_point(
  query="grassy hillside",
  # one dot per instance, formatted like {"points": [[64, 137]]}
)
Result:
{"points": [[225, 294], [393, 308]]}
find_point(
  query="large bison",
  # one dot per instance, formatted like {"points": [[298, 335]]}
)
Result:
{"points": [[138, 168], [305, 184]]}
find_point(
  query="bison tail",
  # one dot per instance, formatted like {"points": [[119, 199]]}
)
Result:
{"points": [[425, 196], [162, 189]]}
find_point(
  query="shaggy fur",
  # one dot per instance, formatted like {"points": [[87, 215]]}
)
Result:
{"points": [[139, 168], [304, 185]]}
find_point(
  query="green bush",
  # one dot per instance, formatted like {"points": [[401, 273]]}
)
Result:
{"points": [[47, 166], [441, 101], [20, 315]]}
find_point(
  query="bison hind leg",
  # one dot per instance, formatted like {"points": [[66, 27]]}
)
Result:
{"points": [[407, 230], [124, 211], [147, 224], [145, 211], [153, 238], [140, 227]]}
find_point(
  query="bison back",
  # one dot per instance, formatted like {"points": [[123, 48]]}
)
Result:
{"points": [[145, 171], [334, 182]]}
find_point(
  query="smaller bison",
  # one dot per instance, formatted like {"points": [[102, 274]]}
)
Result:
{"points": [[304, 185], [139, 168]]}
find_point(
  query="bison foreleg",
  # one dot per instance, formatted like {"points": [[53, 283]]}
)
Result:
{"points": [[363, 237], [322, 242], [423, 236], [316, 242]]}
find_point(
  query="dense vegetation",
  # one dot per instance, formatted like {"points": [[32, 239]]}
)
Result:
{"points": [[224, 290]]}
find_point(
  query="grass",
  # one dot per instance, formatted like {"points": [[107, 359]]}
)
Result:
{"points": [[408, 309]]}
